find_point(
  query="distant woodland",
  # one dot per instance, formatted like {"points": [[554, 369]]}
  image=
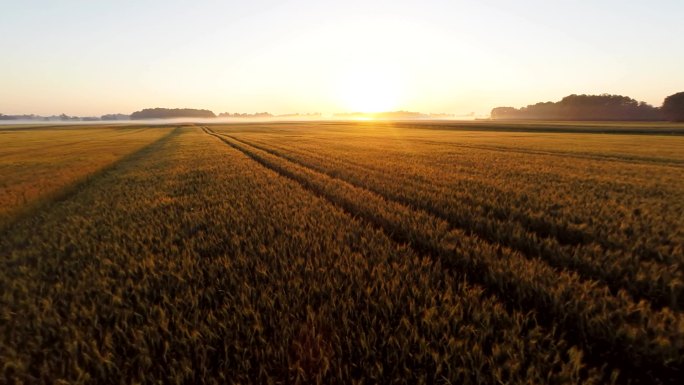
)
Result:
{"points": [[168, 113], [65, 118], [573, 107], [596, 107]]}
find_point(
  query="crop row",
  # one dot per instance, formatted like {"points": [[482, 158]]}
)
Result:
{"points": [[660, 283], [611, 327], [188, 262], [636, 208]]}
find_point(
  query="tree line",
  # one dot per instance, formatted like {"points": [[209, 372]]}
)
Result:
{"points": [[64, 118], [597, 107], [168, 113]]}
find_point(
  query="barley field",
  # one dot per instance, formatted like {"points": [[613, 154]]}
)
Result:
{"points": [[342, 253]]}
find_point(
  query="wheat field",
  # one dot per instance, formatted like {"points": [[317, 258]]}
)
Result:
{"points": [[342, 252]]}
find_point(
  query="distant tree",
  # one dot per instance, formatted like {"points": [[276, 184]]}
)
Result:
{"points": [[504, 113], [115, 117], [582, 107], [673, 107], [166, 113]]}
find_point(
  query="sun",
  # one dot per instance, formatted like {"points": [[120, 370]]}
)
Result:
{"points": [[368, 90]]}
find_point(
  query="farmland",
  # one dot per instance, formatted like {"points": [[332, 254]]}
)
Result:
{"points": [[342, 252], [37, 163]]}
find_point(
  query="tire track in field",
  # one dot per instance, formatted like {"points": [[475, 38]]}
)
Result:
{"points": [[554, 255], [566, 236], [392, 234], [558, 299], [67, 191]]}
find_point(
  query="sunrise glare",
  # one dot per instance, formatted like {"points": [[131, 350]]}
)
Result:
{"points": [[93, 58]]}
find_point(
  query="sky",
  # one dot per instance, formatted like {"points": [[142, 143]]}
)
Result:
{"points": [[461, 57]]}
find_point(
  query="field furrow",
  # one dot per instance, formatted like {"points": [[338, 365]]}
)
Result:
{"points": [[659, 283], [613, 328], [639, 215], [462, 192]]}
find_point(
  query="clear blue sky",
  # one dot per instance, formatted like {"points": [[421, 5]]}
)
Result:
{"points": [[96, 57]]}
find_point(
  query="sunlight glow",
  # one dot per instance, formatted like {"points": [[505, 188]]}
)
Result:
{"points": [[302, 56], [369, 89]]}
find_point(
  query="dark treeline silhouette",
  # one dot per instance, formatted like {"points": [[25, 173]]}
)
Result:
{"points": [[67, 118], [673, 107], [585, 107], [52, 118], [19, 117], [168, 113], [115, 117], [64, 118]]}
